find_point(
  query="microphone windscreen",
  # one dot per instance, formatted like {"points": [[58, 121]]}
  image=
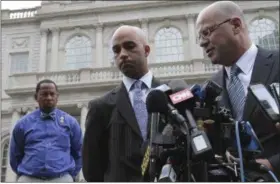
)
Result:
{"points": [[157, 102]]}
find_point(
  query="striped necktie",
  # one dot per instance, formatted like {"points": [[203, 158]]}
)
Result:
{"points": [[140, 108], [236, 93]]}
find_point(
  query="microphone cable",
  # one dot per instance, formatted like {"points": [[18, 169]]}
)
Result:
{"points": [[239, 151]]}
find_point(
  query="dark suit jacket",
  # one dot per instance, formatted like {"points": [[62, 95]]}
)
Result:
{"points": [[265, 71], [112, 141]]}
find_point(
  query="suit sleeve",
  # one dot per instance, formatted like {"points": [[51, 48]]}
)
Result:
{"points": [[93, 151], [275, 162], [275, 159]]}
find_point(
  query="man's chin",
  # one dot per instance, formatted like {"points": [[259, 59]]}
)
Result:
{"points": [[130, 73]]}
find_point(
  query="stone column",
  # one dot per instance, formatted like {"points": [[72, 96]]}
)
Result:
{"points": [[54, 49], [43, 51], [195, 51], [99, 45], [145, 27], [84, 111], [152, 57], [10, 175]]}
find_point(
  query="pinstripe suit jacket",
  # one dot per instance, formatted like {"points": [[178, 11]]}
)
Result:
{"points": [[112, 142]]}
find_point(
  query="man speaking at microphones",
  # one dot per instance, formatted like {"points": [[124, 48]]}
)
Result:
{"points": [[116, 124], [224, 36]]}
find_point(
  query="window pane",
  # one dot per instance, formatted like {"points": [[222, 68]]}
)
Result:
{"points": [[264, 32], [168, 43], [19, 63], [78, 53]]}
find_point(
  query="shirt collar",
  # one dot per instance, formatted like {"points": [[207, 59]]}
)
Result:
{"points": [[147, 79], [51, 114], [246, 61]]}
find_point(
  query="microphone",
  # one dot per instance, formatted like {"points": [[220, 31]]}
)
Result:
{"points": [[199, 141], [274, 88], [167, 172], [267, 103], [212, 91], [159, 103], [148, 166], [155, 136]]}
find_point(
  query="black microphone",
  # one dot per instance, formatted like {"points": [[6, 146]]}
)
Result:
{"points": [[150, 159], [148, 166], [274, 88], [185, 100], [159, 103], [212, 91], [266, 101]]}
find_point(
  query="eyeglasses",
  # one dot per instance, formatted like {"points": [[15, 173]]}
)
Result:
{"points": [[207, 32]]}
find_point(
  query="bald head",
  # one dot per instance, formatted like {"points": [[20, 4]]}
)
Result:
{"points": [[128, 30], [222, 10]]}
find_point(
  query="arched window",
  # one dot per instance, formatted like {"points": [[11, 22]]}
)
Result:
{"points": [[264, 32], [4, 161], [78, 53], [169, 45]]}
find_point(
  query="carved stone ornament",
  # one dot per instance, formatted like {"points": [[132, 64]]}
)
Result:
{"points": [[20, 43]]}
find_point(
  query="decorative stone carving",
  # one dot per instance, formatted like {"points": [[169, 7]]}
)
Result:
{"points": [[143, 21], [191, 15], [99, 27], [167, 23], [77, 30], [20, 43], [261, 12], [54, 29], [44, 31]]}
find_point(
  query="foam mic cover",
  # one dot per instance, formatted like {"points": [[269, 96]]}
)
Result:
{"points": [[157, 102]]}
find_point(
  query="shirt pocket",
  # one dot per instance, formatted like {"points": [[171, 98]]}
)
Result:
{"points": [[64, 136]]}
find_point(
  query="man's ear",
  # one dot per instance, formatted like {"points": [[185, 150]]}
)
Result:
{"points": [[147, 50], [237, 25], [35, 96]]}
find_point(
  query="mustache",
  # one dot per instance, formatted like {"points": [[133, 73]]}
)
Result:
{"points": [[126, 64]]}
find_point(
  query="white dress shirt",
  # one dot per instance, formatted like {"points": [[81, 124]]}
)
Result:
{"points": [[128, 82], [245, 63]]}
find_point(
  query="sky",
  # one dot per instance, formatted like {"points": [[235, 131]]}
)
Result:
{"points": [[13, 5]]}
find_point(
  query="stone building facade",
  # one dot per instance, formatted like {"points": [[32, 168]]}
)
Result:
{"points": [[69, 42]]}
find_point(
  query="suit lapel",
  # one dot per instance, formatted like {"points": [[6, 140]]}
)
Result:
{"points": [[261, 72], [126, 110]]}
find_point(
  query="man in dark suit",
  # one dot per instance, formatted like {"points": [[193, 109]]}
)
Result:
{"points": [[116, 125], [224, 36]]}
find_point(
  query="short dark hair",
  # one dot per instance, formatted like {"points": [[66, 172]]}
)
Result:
{"points": [[44, 81]]}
